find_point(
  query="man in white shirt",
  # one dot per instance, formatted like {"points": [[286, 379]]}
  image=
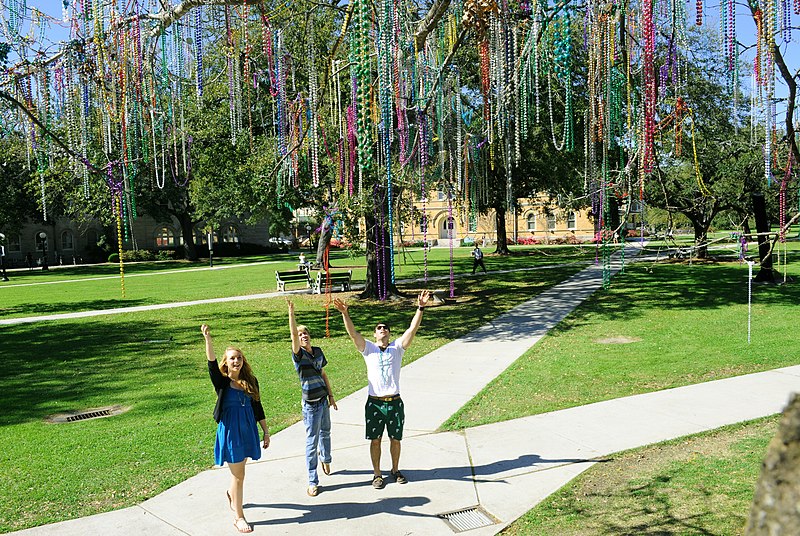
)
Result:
{"points": [[384, 407]]}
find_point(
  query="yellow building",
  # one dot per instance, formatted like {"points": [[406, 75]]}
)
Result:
{"points": [[537, 218]]}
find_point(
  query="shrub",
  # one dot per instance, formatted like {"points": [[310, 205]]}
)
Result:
{"points": [[113, 258], [138, 255], [468, 241], [531, 241]]}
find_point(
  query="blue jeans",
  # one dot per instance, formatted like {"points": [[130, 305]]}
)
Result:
{"points": [[317, 418]]}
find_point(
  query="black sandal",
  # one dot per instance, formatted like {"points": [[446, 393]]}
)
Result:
{"points": [[377, 482]]}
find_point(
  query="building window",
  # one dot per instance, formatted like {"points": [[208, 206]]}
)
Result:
{"points": [[165, 237], [14, 243], [67, 241], [91, 239], [202, 237], [473, 223], [571, 221], [440, 195], [551, 222], [230, 235], [531, 222]]}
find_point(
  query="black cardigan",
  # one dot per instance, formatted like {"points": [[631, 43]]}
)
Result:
{"points": [[221, 383]]}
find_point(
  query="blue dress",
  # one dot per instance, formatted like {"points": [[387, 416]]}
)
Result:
{"points": [[237, 432]]}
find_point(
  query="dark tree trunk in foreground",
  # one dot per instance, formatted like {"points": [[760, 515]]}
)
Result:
{"points": [[774, 508], [762, 228], [500, 222], [701, 239], [187, 230], [378, 283]]}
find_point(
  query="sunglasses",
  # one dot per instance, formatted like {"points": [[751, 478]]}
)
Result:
{"points": [[381, 326]]}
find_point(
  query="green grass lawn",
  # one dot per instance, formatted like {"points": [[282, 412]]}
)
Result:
{"points": [[87, 288], [697, 485], [658, 326], [687, 324], [154, 362]]}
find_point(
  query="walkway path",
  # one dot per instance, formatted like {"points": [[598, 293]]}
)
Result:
{"points": [[505, 468]]}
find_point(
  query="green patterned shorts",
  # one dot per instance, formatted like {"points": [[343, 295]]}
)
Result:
{"points": [[380, 414]]}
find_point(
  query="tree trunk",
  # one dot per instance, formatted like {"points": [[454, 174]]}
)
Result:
{"points": [[378, 284], [187, 230], [700, 239], [500, 221], [762, 228], [322, 244], [774, 508]]}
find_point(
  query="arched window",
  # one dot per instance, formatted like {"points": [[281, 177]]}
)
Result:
{"points": [[551, 222], [230, 234], [67, 241], [571, 221], [531, 221], [165, 237]]}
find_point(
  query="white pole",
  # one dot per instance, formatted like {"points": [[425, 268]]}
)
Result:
{"points": [[749, 296]]}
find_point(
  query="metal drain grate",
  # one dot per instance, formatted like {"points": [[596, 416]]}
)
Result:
{"points": [[90, 415], [468, 518], [94, 413]]}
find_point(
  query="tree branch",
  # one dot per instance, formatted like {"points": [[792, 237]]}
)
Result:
{"points": [[168, 16], [82, 159]]}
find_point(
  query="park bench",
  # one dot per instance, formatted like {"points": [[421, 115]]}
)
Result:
{"points": [[337, 279], [292, 276]]}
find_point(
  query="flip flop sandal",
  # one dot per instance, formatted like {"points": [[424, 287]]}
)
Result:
{"points": [[377, 482], [248, 528]]}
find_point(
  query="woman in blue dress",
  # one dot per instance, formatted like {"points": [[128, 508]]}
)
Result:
{"points": [[237, 411]]}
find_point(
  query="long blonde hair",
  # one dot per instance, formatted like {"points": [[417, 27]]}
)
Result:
{"points": [[246, 377]]}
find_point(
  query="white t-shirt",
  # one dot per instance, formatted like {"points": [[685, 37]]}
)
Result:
{"points": [[383, 368]]}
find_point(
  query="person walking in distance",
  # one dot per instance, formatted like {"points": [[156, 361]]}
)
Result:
{"points": [[384, 407], [317, 399], [237, 411], [477, 259]]}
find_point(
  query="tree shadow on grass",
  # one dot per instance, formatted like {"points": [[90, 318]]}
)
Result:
{"points": [[644, 286], [655, 512]]}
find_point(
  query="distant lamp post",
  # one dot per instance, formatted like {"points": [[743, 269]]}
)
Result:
{"points": [[211, 249], [3, 257], [308, 232], [43, 236]]}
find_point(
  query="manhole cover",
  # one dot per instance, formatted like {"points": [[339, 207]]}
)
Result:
{"points": [[86, 414], [466, 519]]}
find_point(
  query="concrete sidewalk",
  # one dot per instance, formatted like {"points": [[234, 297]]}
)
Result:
{"points": [[504, 468]]}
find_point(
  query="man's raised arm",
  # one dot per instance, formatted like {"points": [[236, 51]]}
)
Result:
{"points": [[407, 337], [355, 336]]}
